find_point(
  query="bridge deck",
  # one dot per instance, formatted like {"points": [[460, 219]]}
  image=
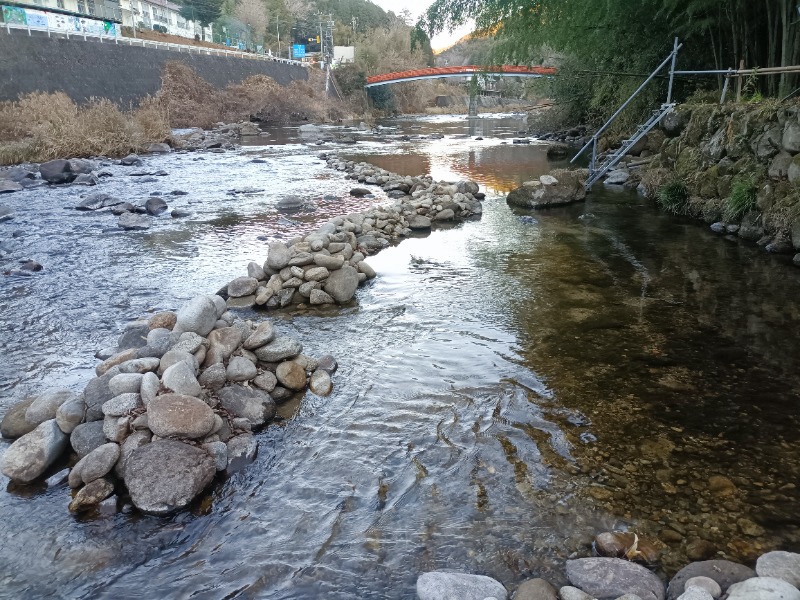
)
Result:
{"points": [[460, 71]]}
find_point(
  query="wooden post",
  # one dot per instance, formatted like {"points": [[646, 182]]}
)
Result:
{"points": [[739, 82]]}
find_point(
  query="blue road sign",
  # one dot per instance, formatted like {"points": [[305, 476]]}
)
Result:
{"points": [[298, 51]]}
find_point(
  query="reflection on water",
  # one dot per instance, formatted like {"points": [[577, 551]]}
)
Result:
{"points": [[507, 389]]}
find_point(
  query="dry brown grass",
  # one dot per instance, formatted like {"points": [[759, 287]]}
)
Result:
{"points": [[41, 126], [193, 102]]}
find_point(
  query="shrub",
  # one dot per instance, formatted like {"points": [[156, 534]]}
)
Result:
{"points": [[42, 126], [673, 197], [742, 198]]}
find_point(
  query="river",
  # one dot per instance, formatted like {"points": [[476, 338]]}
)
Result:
{"points": [[507, 389]]}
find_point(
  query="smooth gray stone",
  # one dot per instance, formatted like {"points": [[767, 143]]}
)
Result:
{"points": [[613, 577], [446, 585], [29, 456]]}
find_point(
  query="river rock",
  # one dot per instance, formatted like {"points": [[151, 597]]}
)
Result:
{"points": [[7, 187], [266, 381], [291, 375], [241, 451], [278, 256], [135, 440], [155, 206], [695, 593], [706, 584], [99, 462], [615, 177], [56, 171], [29, 456], [213, 378], [44, 407], [140, 365], [242, 286], [163, 320], [198, 315], [14, 424], [240, 369], [320, 383], [316, 274], [318, 297], [781, 565], [263, 335], [121, 405], [125, 383], [332, 263], [149, 387], [180, 379], [222, 344], [572, 593], [613, 577], [86, 437], [252, 404], [616, 543], [167, 475], [535, 589], [446, 585], [342, 284], [763, 588], [363, 267], [189, 342], [724, 572], [219, 452], [177, 415], [328, 363], [131, 160], [91, 495], [134, 221], [173, 357], [533, 194], [281, 348], [71, 414]]}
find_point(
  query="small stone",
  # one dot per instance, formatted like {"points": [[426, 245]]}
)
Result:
{"points": [[255, 271], [240, 369], [176, 415], [572, 593], [328, 363], [213, 378], [242, 286], [180, 379], [155, 206], [332, 263], [99, 462], [695, 593], [263, 335], [125, 383], [698, 550], [252, 404], [173, 357], [266, 381], [86, 437], [219, 452], [281, 348], [163, 320], [71, 414], [291, 375], [706, 584], [320, 383], [318, 297], [721, 486], [149, 387], [446, 585], [91, 495], [241, 451], [121, 405], [316, 274], [535, 589]]}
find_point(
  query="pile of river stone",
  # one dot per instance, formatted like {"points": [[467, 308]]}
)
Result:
{"points": [[176, 404], [327, 265], [776, 577]]}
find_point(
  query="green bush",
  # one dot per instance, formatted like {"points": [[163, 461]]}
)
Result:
{"points": [[742, 199], [673, 197]]}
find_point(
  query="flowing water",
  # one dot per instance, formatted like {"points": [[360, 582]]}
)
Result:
{"points": [[507, 388]]}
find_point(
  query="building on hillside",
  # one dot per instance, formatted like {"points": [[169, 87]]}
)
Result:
{"points": [[161, 15], [99, 17]]}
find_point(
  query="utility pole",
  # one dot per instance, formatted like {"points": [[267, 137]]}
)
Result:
{"points": [[278, 31]]}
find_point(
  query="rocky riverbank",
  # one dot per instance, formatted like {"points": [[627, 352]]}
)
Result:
{"points": [[776, 577], [179, 398]]}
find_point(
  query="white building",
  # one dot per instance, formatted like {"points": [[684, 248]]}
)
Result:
{"points": [[157, 14]]}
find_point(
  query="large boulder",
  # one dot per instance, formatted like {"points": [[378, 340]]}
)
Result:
{"points": [[561, 187], [177, 415], [613, 577], [783, 565], [29, 456], [342, 284], [249, 403], [763, 588], [57, 171], [446, 585], [724, 572], [167, 475], [198, 315]]}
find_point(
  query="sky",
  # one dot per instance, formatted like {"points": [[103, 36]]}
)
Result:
{"points": [[417, 7]]}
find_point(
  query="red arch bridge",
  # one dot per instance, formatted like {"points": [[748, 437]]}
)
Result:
{"points": [[463, 71]]}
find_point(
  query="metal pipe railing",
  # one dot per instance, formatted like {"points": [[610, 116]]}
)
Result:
{"points": [[613, 117]]}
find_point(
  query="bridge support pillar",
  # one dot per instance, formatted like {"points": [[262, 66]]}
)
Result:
{"points": [[473, 105]]}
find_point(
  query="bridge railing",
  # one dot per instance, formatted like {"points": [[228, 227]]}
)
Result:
{"points": [[461, 70], [114, 39]]}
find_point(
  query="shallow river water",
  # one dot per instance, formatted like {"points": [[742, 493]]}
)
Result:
{"points": [[506, 389]]}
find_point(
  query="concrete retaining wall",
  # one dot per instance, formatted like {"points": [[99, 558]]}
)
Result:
{"points": [[122, 73]]}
